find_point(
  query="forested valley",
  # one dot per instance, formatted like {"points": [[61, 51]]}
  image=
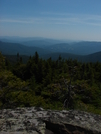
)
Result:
{"points": [[49, 84]]}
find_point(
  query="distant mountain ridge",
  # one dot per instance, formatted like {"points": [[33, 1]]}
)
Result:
{"points": [[54, 56], [14, 48], [53, 45], [80, 48], [87, 47], [28, 40], [82, 58], [82, 51], [93, 57], [37, 43]]}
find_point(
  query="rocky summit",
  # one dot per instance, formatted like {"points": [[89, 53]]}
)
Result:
{"points": [[39, 121]]}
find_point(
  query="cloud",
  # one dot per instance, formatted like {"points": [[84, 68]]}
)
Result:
{"points": [[58, 19], [14, 21], [25, 20], [71, 18]]}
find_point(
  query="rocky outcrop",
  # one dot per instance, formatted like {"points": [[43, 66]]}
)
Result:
{"points": [[73, 122], [39, 121]]}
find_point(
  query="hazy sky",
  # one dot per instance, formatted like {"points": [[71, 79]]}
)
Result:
{"points": [[60, 19]]}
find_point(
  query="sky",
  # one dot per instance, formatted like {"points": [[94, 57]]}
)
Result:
{"points": [[57, 19]]}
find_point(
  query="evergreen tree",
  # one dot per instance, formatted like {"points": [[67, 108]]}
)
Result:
{"points": [[36, 57]]}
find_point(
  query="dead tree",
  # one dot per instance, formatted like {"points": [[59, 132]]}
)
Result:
{"points": [[69, 94]]}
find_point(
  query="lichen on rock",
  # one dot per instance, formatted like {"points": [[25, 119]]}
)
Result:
{"points": [[39, 121]]}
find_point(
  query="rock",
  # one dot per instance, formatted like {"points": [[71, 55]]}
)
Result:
{"points": [[74, 122], [39, 121], [48, 132]]}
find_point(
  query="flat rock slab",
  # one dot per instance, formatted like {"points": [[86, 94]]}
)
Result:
{"points": [[74, 122], [39, 121]]}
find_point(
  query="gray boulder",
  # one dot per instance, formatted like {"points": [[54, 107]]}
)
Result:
{"points": [[73, 122], [39, 121]]}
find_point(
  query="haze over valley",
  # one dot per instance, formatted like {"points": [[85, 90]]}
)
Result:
{"points": [[85, 51]]}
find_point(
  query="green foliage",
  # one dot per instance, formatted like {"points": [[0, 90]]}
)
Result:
{"points": [[44, 83], [2, 62]]}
